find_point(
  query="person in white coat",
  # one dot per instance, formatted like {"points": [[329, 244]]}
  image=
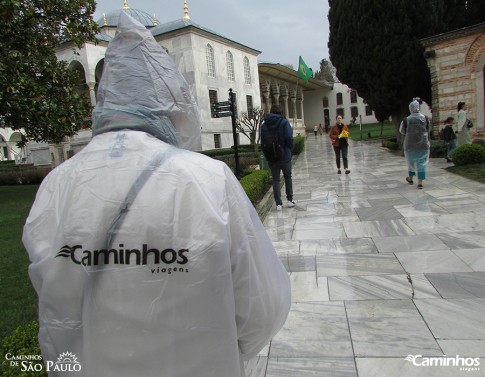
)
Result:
{"points": [[148, 259], [463, 132]]}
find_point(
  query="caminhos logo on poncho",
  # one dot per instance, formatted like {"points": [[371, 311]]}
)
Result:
{"points": [[124, 256]]}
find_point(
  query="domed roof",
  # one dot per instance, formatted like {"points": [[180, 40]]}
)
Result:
{"points": [[112, 17]]}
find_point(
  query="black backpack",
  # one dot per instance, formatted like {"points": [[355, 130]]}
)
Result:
{"points": [[272, 149]]}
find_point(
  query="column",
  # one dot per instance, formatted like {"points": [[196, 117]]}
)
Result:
{"points": [[301, 109], [285, 104], [92, 93], [267, 98]]}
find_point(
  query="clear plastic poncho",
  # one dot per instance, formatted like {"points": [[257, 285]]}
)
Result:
{"points": [[142, 89], [416, 130], [416, 140], [149, 260]]}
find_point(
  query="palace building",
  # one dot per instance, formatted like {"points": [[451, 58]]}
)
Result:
{"points": [[211, 64]]}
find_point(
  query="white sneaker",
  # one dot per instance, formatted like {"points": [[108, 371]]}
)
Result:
{"points": [[291, 203], [279, 207]]}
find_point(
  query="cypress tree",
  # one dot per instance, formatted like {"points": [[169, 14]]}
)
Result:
{"points": [[475, 12], [374, 45]]}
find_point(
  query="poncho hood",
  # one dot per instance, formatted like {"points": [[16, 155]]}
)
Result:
{"points": [[141, 89], [414, 107]]}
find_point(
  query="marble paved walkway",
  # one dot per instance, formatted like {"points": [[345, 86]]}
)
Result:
{"points": [[386, 278]]}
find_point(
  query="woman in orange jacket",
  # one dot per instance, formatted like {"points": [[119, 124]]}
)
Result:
{"points": [[339, 135]]}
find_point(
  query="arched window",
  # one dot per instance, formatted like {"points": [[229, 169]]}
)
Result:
{"points": [[230, 66], [325, 101], [247, 71], [209, 55]]}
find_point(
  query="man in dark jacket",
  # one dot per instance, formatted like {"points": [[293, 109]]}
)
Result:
{"points": [[285, 138]]}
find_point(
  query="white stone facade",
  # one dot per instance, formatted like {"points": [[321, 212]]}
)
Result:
{"points": [[332, 101], [187, 46]]}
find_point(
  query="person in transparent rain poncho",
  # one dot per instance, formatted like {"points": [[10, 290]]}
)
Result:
{"points": [[416, 146], [148, 259]]}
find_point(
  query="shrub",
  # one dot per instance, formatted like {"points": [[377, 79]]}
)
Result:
{"points": [[245, 160], [468, 154], [438, 149], [22, 342], [392, 144], [228, 151], [298, 145], [22, 177], [256, 184]]}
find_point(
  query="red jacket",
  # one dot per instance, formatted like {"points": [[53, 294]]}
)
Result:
{"points": [[334, 132]]}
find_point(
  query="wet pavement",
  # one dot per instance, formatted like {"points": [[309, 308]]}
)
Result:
{"points": [[387, 280]]}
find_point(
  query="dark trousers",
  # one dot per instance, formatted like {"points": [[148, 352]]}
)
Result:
{"points": [[342, 150], [276, 168]]}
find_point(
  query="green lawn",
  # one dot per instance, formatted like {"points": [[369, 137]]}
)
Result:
{"points": [[18, 300], [388, 130], [475, 171]]}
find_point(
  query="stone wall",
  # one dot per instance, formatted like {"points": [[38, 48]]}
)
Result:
{"points": [[456, 62]]}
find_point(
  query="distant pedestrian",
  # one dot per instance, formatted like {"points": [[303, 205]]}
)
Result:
{"points": [[339, 135], [464, 136], [415, 127], [320, 129], [449, 137], [284, 133], [315, 130]]}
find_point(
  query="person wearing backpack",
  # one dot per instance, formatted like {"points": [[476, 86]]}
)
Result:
{"points": [[277, 145]]}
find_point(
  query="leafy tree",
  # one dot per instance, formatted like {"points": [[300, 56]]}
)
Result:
{"points": [[38, 93], [326, 72], [375, 48], [249, 124]]}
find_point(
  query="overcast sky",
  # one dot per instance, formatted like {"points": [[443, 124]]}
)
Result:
{"points": [[281, 29]]}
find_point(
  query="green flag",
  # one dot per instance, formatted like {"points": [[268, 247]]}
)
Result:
{"points": [[303, 71]]}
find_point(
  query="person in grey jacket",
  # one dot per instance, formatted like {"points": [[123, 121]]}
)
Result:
{"points": [[285, 138]]}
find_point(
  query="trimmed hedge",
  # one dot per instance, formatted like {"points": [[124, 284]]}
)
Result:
{"points": [[468, 154], [22, 176], [22, 342], [256, 184], [298, 145], [438, 149], [392, 144], [245, 160]]}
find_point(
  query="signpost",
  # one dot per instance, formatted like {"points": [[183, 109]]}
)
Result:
{"points": [[221, 109], [228, 109]]}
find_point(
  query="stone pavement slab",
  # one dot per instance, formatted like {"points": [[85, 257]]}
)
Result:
{"points": [[387, 280]]}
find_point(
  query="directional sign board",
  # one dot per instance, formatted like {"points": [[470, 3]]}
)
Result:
{"points": [[221, 109]]}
